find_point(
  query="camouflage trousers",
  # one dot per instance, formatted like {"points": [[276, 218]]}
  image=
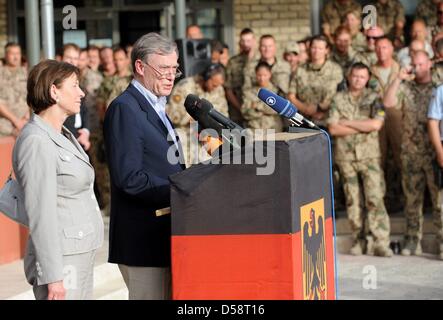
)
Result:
{"points": [[417, 173], [371, 175], [390, 147], [102, 177]]}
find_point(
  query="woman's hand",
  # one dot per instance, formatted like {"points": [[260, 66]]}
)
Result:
{"points": [[56, 291]]}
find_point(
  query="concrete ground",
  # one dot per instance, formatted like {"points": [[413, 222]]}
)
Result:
{"points": [[363, 277], [396, 278]]}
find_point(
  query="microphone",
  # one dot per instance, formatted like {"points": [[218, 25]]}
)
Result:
{"points": [[284, 108], [192, 106], [200, 111], [227, 123]]}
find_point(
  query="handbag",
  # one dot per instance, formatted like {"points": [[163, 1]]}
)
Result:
{"points": [[12, 202]]}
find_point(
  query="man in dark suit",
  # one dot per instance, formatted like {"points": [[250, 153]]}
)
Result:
{"points": [[142, 152]]}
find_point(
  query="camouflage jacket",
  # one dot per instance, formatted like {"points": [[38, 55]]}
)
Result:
{"points": [[376, 82], [414, 99], [257, 114], [345, 62], [427, 11], [281, 74], [359, 42], [334, 12], [389, 14], [360, 146], [191, 85], [235, 75], [90, 81], [314, 85], [13, 93], [119, 85]]}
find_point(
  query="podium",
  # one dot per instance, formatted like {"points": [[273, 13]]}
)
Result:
{"points": [[238, 235]]}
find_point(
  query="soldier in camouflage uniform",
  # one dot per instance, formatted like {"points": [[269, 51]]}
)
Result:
{"points": [[257, 114], [383, 73], [356, 115], [316, 82], [281, 70], [209, 86], [235, 73], [14, 111], [343, 53], [391, 18], [368, 56], [437, 28], [352, 21], [427, 10], [417, 155], [110, 88], [333, 14]]}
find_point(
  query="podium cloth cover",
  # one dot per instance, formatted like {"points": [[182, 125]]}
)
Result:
{"points": [[239, 235]]}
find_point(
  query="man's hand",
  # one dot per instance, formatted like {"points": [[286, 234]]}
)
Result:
{"points": [[406, 74], [56, 291], [83, 139]]}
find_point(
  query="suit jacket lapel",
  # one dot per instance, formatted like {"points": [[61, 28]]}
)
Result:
{"points": [[73, 147], [146, 107], [155, 119]]}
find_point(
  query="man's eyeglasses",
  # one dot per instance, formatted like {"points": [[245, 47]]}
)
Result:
{"points": [[175, 72]]}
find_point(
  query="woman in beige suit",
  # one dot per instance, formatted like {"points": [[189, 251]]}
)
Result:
{"points": [[65, 223]]}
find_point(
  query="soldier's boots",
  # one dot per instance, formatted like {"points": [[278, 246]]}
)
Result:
{"points": [[383, 251], [412, 247], [356, 249]]}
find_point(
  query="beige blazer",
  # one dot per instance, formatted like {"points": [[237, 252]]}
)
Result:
{"points": [[57, 180]]}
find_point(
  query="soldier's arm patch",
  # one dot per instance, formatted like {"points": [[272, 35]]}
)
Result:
{"points": [[176, 98]]}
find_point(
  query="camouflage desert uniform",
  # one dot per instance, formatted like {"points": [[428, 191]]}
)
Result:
{"points": [[176, 111], [334, 12], [427, 11], [281, 74], [388, 15], [316, 84], [417, 155], [119, 85], [390, 140], [435, 30], [359, 154], [13, 95], [359, 42], [108, 86], [257, 114], [368, 57], [235, 79], [437, 74], [90, 83], [348, 60]]}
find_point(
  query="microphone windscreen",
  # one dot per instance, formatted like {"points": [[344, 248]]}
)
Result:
{"points": [[198, 110], [191, 105], [279, 104]]}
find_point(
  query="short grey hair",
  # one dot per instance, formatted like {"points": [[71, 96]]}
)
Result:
{"points": [[152, 43]]}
